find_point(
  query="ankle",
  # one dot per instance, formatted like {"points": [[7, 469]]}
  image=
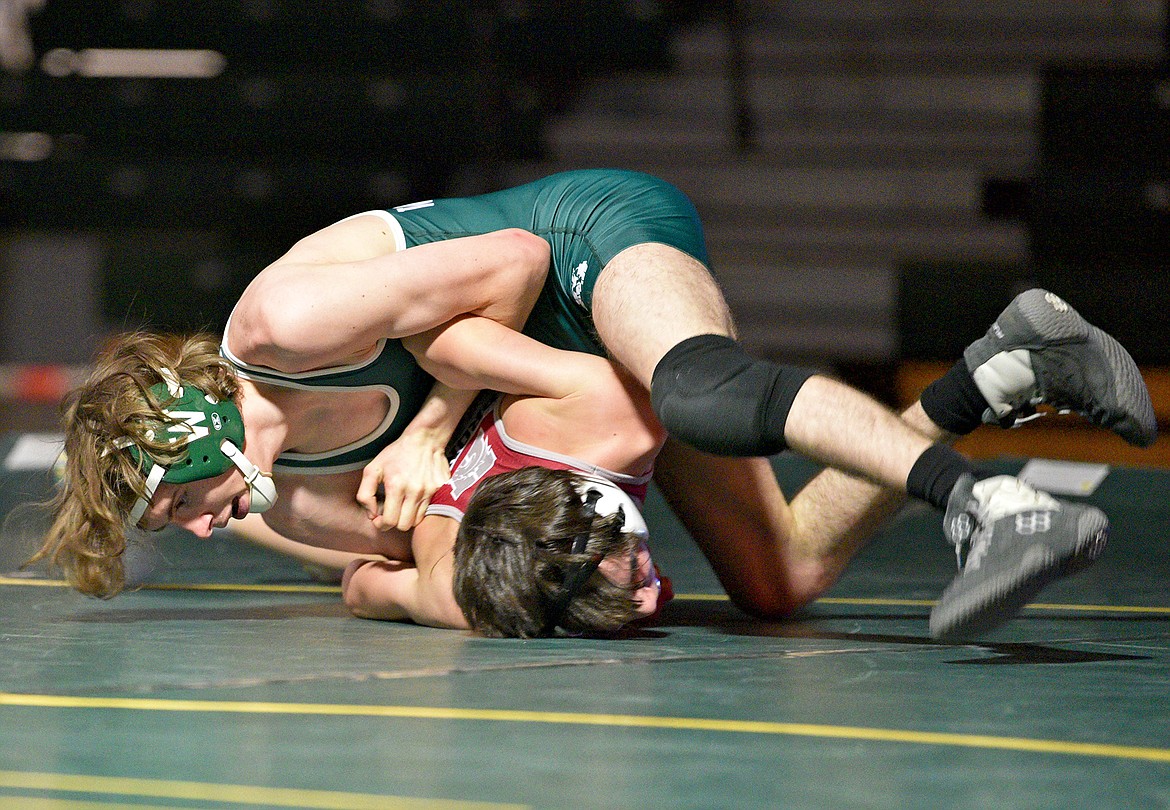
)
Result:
{"points": [[954, 401], [935, 473]]}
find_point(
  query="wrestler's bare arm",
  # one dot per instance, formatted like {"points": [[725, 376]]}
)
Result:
{"points": [[320, 510], [570, 402], [338, 291], [471, 352], [422, 593], [253, 529], [370, 591]]}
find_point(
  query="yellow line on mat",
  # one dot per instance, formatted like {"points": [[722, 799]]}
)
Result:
{"points": [[45, 803], [1154, 609], [225, 794], [686, 597], [188, 586], [32, 582], [586, 719], [228, 586]]}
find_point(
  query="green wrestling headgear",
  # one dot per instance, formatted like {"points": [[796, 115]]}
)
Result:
{"points": [[212, 433]]}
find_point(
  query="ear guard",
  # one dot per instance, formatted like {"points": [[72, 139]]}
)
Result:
{"points": [[602, 498], [212, 433], [612, 498]]}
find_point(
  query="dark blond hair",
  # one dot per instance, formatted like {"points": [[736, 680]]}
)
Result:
{"points": [[101, 479], [513, 553]]}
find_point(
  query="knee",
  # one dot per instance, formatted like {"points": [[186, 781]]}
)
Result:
{"points": [[351, 593], [711, 394], [802, 585], [768, 604]]}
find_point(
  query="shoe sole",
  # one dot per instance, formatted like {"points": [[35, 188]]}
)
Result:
{"points": [[1139, 425], [1003, 596], [1048, 322], [1134, 412]]}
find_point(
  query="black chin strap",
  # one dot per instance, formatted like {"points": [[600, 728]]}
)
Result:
{"points": [[578, 574]]}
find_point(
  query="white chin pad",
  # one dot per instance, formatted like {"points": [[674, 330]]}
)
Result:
{"points": [[612, 498], [262, 494], [261, 488]]}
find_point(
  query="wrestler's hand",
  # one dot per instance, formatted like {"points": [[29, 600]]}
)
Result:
{"points": [[398, 484]]}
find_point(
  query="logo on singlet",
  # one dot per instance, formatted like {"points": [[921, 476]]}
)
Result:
{"points": [[477, 463], [402, 209], [578, 282]]}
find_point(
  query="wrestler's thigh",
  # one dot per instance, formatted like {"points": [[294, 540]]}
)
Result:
{"points": [[737, 514], [649, 298]]}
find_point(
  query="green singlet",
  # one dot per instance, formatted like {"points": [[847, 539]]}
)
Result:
{"points": [[586, 216]]}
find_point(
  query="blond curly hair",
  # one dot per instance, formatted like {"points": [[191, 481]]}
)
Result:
{"points": [[101, 480]]}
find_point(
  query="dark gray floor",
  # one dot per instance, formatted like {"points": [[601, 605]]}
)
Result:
{"points": [[232, 679]]}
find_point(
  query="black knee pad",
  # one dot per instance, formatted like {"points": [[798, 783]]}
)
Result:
{"points": [[714, 396]]}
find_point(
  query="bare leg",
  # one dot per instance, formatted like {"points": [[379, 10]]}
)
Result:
{"points": [[651, 297], [738, 517], [837, 513], [710, 392], [840, 426], [772, 557]]}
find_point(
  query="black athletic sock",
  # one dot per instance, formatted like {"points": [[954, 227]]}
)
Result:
{"points": [[954, 402], [934, 475]]}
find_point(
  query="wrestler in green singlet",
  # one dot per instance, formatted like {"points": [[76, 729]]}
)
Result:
{"points": [[587, 216]]}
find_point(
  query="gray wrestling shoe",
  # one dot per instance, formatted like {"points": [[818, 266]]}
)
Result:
{"points": [[1018, 541], [1040, 350]]}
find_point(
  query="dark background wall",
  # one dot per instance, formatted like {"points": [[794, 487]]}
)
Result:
{"points": [[875, 178]]}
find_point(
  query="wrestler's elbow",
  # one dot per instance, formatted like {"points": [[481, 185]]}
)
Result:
{"points": [[511, 283], [526, 257], [274, 325], [531, 250]]}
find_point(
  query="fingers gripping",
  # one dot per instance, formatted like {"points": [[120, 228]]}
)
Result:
{"points": [[397, 499]]}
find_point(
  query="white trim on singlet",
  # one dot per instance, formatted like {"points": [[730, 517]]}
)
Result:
{"points": [[577, 465], [272, 376], [290, 456], [399, 244], [395, 225], [574, 462], [290, 380], [444, 510]]}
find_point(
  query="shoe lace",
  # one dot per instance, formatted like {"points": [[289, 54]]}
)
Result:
{"points": [[1021, 415], [977, 546], [1071, 387], [962, 529]]}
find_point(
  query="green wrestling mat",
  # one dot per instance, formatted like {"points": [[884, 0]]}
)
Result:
{"points": [[231, 679]]}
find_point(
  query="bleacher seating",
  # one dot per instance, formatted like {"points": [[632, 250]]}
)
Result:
{"points": [[300, 113], [877, 127]]}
